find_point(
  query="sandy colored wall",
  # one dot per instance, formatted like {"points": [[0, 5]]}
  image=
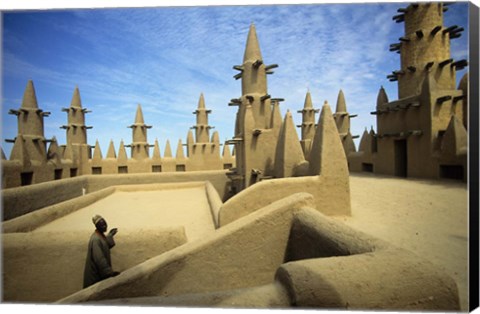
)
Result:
{"points": [[393, 280], [334, 266], [215, 202], [218, 179], [23, 200], [320, 263], [245, 253], [331, 194], [47, 266], [37, 218]]}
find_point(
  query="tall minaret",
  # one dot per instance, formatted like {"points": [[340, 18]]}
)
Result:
{"points": [[425, 49], [202, 129], [30, 125], [139, 144], [381, 110], [308, 124], [256, 127], [76, 129], [342, 120], [254, 81]]}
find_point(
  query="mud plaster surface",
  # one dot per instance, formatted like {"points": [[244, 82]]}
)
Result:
{"points": [[129, 211], [429, 218]]}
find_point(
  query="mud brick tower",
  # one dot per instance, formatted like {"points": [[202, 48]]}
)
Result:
{"points": [[421, 134]]}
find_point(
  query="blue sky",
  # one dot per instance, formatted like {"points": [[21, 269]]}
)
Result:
{"points": [[163, 58]]}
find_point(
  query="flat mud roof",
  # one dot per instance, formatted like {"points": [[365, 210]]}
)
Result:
{"points": [[136, 210]]}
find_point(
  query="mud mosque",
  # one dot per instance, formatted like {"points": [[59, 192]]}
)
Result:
{"points": [[270, 193]]}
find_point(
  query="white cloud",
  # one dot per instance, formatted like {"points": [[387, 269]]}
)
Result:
{"points": [[164, 58]]}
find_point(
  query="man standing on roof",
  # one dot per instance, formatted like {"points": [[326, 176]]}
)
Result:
{"points": [[98, 265]]}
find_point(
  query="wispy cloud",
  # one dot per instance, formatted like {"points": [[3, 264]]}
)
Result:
{"points": [[163, 58]]}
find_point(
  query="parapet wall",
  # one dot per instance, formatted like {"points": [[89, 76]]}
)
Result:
{"points": [[23, 200], [285, 246], [245, 253], [30, 221], [47, 266], [331, 195]]}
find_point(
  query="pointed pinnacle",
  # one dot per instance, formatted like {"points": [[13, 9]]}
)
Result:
{"points": [[382, 97], [201, 102], [29, 96], [252, 49], [341, 105], [308, 101], [139, 115], [76, 101]]}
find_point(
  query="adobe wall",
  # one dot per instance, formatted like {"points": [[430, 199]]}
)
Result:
{"points": [[389, 278], [23, 200], [331, 194], [31, 221], [233, 257], [320, 263], [218, 178], [47, 266], [214, 201], [395, 280]]}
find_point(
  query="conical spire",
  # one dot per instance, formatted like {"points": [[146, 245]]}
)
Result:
{"points": [[341, 105], [365, 142], [122, 153], [140, 147], [30, 117], [202, 128], [19, 152], [342, 119], [76, 101], [201, 102], [2, 154], [180, 154], [29, 97], [252, 49], [289, 152], [308, 101], [308, 121], [139, 115], [76, 128], [97, 152], [327, 157], [156, 150], [168, 150], [111, 150], [382, 97], [216, 138]]}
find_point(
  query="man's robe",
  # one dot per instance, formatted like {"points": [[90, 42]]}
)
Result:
{"points": [[98, 265]]}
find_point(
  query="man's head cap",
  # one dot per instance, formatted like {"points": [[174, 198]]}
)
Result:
{"points": [[96, 219]]}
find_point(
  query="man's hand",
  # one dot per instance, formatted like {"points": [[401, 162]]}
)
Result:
{"points": [[113, 232]]}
